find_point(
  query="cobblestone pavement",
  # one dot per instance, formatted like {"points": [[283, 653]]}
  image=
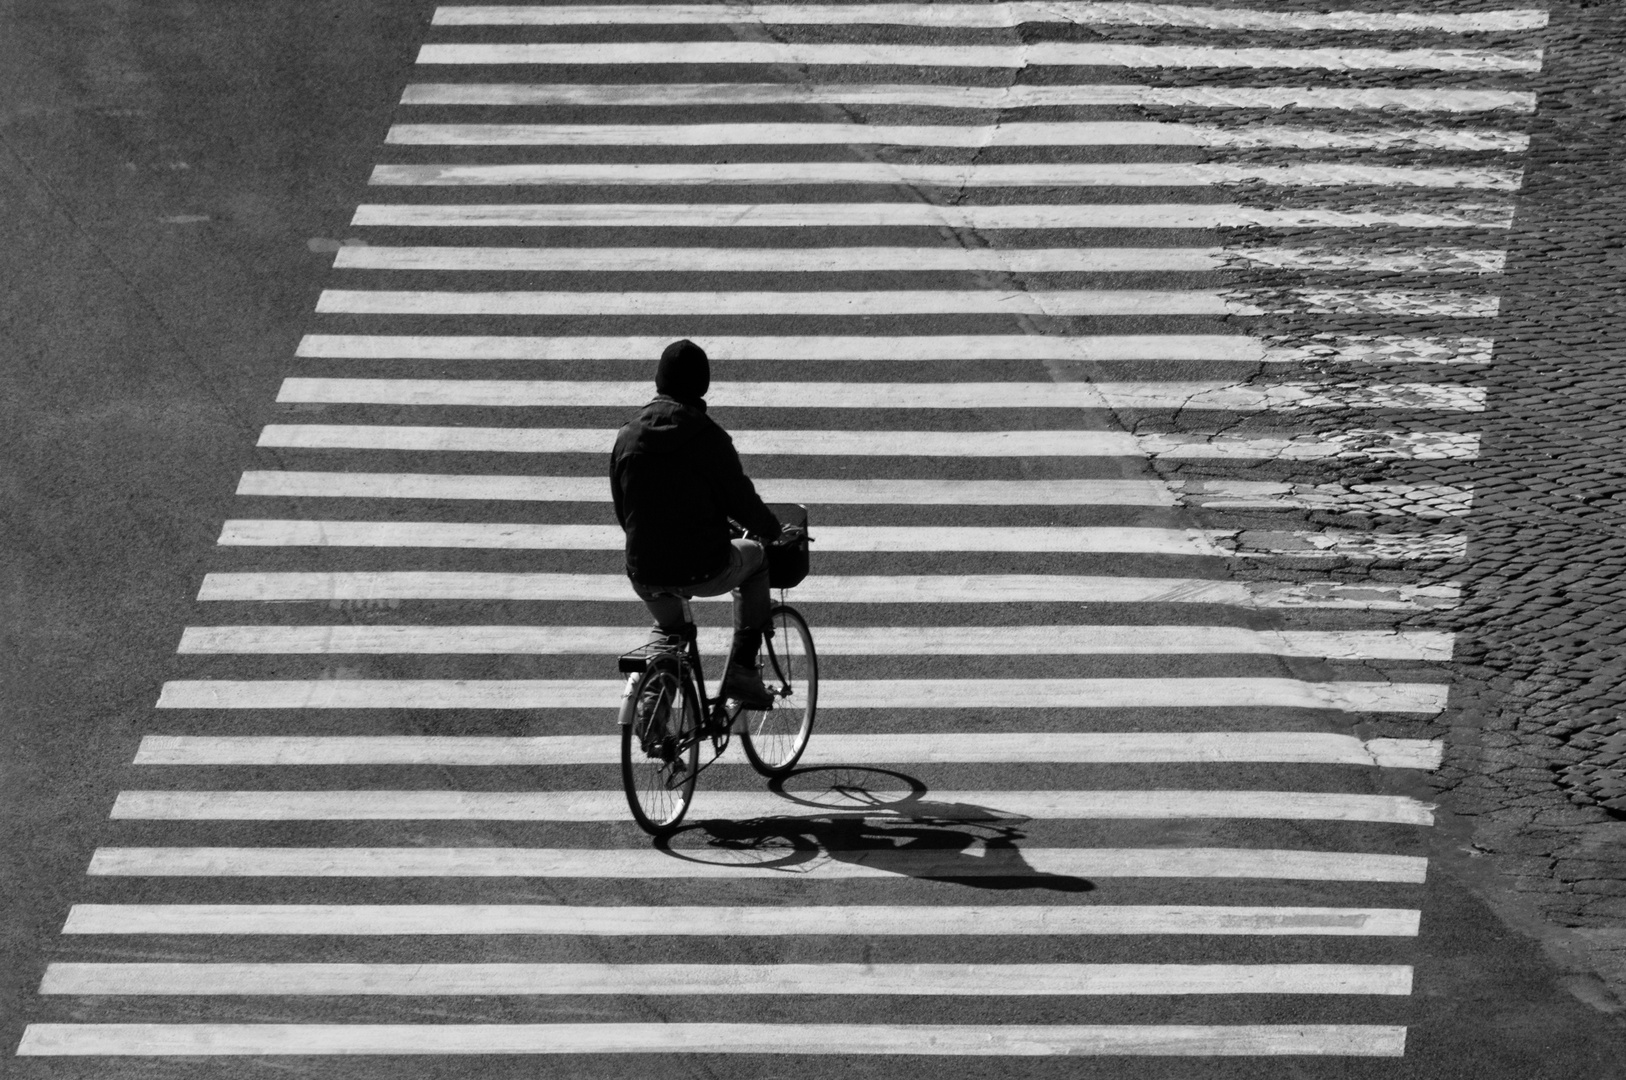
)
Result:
{"points": [[1535, 767], [1538, 740]]}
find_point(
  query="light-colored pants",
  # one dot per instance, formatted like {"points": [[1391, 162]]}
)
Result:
{"points": [[746, 576]]}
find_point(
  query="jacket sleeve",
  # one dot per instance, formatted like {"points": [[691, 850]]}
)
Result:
{"points": [[735, 491], [615, 486]]}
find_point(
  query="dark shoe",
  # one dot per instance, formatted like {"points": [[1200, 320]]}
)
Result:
{"points": [[744, 685]]}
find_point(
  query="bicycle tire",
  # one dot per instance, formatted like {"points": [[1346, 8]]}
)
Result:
{"points": [[775, 739], [659, 767]]}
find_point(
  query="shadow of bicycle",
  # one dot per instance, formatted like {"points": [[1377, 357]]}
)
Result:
{"points": [[881, 821]]}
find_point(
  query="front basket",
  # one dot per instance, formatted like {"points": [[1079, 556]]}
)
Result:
{"points": [[788, 563]]}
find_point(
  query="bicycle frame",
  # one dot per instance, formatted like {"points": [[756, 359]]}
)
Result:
{"points": [[717, 722]]}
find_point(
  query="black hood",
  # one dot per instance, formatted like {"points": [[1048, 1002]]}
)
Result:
{"points": [[667, 424]]}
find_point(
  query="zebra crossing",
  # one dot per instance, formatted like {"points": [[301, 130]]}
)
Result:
{"points": [[1107, 756]]}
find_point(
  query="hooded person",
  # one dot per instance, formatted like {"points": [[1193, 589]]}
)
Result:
{"points": [[677, 483]]}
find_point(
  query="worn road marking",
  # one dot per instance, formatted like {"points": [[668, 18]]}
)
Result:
{"points": [[1492, 215], [931, 95], [1194, 693], [725, 979], [969, 806], [1019, 133], [750, 865], [1050, 133], [370, 920], [1060, 302], [801, 173], [1207, 747], [593, 489], [1202, 543], [1432, 445], [836, 588], [1220, 396], [904, 258], [1053, 303], [1240, 348], [1025, 640], [984, 15], [251, 532], [948, 1040], [1033, 54]]}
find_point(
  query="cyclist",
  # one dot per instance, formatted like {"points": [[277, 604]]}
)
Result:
{"points": [[678, 484]]}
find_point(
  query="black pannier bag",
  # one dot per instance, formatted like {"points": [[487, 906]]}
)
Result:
{"points": [[787, 563]]}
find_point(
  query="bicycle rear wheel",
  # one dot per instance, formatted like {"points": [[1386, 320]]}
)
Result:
{"points": [[774, 740], [660, 747]]}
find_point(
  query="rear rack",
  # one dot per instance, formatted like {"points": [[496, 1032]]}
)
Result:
{"points": [[638, 660]]}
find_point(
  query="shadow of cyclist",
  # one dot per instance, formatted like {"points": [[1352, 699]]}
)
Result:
{"points": [[863, 823]]}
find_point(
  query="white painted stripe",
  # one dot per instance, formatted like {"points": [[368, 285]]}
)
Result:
{"points": [[579, 806], [928, 215], [984, 748], [938, 980], [1407, 753], [1436, 499], [593, 489], [956, 444], [1342, 544], [983, 15], [843, 589], [261, 532], [1443, 99], [1438, 302], [1420, 260], [1032, 54], [1207, 693], [779, 260], [1393, 500], [1086, 347], [1056, 303], [853, 259], [1228, 397], [743, 865], [1048, 133], [1372, 498], [826, 443], [372, 920], [799, 173], [1053, 303], [1067, 640], [1388, 349], [1381, 445], [947, 1040]]}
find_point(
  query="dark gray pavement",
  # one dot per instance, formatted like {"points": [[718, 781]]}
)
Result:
{"points": [[165, 169]]}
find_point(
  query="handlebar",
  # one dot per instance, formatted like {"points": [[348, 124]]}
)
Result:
{"points": [[790, 534]]}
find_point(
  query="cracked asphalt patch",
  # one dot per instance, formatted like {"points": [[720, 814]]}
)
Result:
{"points": [[1534, 775]]}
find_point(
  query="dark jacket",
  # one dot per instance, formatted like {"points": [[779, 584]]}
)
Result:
{"points": [[676, 481]]}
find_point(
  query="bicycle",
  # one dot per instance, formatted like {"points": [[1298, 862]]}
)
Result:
{"points": [[666, 714]]}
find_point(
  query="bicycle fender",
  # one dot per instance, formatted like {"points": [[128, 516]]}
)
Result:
{"points": [[625, 716]]}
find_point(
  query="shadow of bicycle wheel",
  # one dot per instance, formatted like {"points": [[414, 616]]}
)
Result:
{"points": [[878, 819]]}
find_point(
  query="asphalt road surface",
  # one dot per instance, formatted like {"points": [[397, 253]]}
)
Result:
{"points": [[310, 760]]}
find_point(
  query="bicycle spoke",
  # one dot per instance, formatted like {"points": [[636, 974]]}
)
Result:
{"points": [[660, 746], [774, 739]]}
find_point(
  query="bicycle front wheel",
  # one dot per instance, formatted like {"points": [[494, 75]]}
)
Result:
{"points": [[775, 739], [660, 747]]}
